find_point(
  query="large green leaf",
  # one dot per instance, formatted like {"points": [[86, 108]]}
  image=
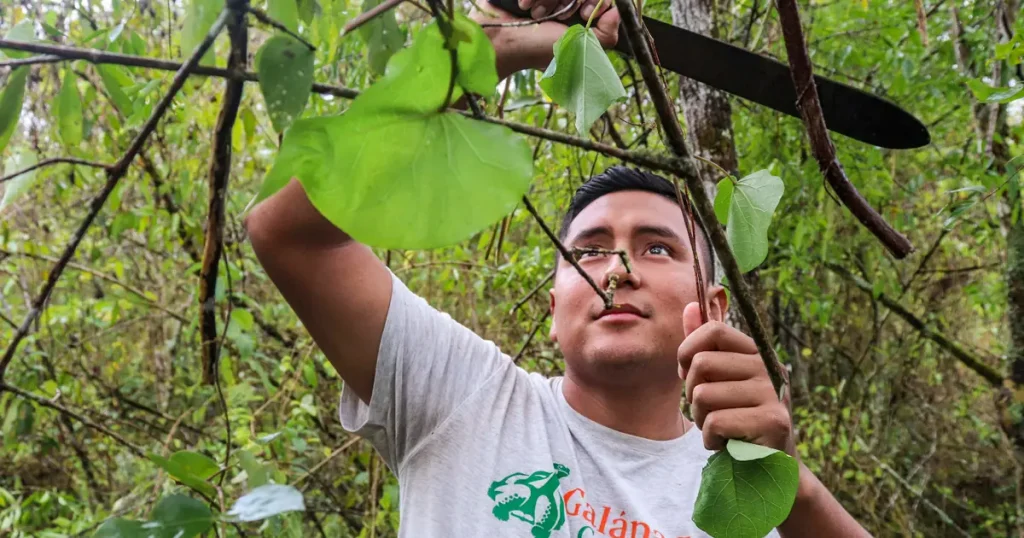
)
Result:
{"points": [[745, 491], [754, 199], [478, 72], [266, 501], [382, 35], [183, 470], [439, 177], [285, 12], [199, 18], [10, 103], [581, 78], [723, 199], [175, 516], [23, 31], [19, 185], [69, 111], [285, 68]]}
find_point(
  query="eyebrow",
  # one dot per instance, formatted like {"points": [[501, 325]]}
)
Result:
{"points": [[644, 229]]}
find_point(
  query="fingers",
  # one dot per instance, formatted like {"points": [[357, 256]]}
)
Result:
{"points": [[543, 8], [766, 425], [711, 397], [713, 336], [715, 366], [691, 319]]}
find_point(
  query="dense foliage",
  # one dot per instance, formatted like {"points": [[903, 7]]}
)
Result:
{"points": [[911, 440]]}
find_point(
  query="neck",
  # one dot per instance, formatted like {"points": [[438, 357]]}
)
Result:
{"points": [[651, 412]]}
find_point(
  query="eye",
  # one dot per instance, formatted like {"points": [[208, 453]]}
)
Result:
{"points": [[658, 250], [589, 251]]}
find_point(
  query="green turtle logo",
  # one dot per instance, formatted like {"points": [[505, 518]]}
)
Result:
{"points": [[531, 498]]}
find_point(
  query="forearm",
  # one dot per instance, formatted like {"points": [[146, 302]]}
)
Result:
{"points": [[817, 513]]}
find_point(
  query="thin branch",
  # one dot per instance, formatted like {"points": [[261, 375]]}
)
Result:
{"points": [[640, 158], [369, 15], [966, 358], [566, 254], [532, 292], [702, 204], [533, 332], [568, 7], [269, 21], [114, 175], [337, 451], [52, 161], [821, 142], [34, 60], [69, 413]]}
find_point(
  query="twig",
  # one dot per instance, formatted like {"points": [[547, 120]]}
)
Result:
{"points": [[45, 402], [702, 204], [640, 158], [974, 363], [821, 143], [566, 254], [219, 171], [35, 60], [532, 292], [114, 175], [323, 462], [568, 7], [369, 15], [533, 331], [52, 161], [268, 20]]}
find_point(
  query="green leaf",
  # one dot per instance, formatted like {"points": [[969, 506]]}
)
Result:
{"points": [[383, 37], [988, 94], [175, 516], [182, 473], [16, 187], [745, 491], [266, 501], [478, 72], [285, 68], [285, 12], [581, 78], [249, 123], [23, 31], [308, 9], [439, 178], [723, 199], [69, 111], [199, 19], [115, 78], [11, 99], [195, 463], [254, 470], [753, 202]]}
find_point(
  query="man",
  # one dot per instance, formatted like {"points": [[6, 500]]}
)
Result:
{"points": [[484, 449]]}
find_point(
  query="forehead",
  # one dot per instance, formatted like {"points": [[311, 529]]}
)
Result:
{"points": [[625, 210]]}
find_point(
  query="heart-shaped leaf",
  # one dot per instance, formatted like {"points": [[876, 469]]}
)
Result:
{"points": [[751, 206], [745, 491], [723, 199], [439, 177], [382, 35], [189, 470], [581, 78], [285, 68], [266, 501], [175, 516], [69, 111]]}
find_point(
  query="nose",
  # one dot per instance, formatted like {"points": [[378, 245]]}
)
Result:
{"points": [[618, 268]]}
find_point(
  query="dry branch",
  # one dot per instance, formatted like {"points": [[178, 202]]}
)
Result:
{"points": [[702, 204], [966, 358], [821, 143], [366, 17], [114, 174], [52, 161]]}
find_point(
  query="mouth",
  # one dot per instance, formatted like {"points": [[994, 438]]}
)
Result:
{"points": [[623, 311]]}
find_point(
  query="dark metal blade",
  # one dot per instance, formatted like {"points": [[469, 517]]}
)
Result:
{"points": [[848, 110]]}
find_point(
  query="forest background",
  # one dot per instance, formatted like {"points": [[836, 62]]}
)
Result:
{"points": [[905, 373]]}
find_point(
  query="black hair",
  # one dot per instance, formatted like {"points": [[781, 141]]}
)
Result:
{"points": [[621, 178]]}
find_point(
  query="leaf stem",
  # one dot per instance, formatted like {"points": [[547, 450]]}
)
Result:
{"points": [[593, 14], [725, 175]]}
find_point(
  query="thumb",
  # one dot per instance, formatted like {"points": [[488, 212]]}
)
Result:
{"points": [[691, 319], [607, 28]]}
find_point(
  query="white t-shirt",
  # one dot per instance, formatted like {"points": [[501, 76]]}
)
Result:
{"points": [[484, 449]]}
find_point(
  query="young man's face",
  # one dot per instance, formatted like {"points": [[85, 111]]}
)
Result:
{"points": [[640, 339]]}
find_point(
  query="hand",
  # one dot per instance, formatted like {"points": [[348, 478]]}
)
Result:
{"points": [[530, 46], [728, 387]]}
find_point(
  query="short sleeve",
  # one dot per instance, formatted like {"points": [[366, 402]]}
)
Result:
{"points": [[427, 366]]}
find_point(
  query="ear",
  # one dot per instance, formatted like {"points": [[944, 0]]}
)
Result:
{"points": [[553, 334], [718, 303]]}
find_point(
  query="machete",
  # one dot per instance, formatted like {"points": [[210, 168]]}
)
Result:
{"points": [[848, 110]]}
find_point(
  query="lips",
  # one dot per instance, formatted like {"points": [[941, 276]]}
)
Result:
{"points": [[623, 310]]}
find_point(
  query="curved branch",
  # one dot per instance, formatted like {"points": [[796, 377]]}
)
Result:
{"points": [[269, 21], [114, 174], [821, 143], [52, 161]]}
